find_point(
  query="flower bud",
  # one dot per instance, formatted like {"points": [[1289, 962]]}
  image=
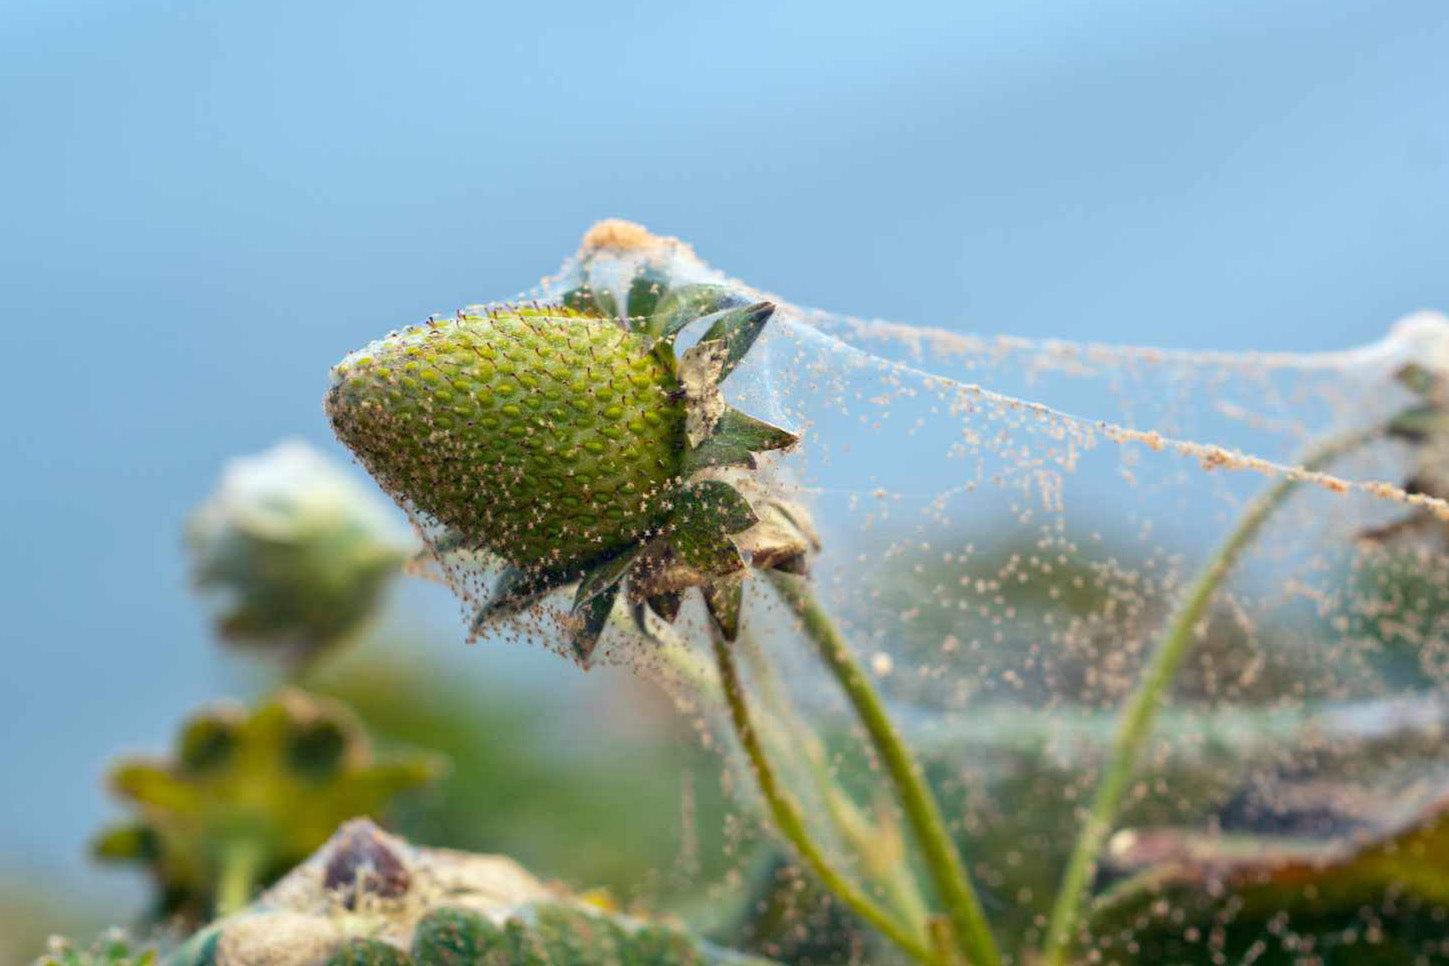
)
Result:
{"points": [[297, 553]]}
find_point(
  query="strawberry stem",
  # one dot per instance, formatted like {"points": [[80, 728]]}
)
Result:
{"points": [[968, 920], [1141, 710], [241, 862], [791, 824]]}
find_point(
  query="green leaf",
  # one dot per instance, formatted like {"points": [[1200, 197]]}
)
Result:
{"points": [[591, 301], [606, 575], [723, 599], [716, 505], [1419, 423], [1273, 886], [516, 590], [645, 293], [736, 438], [593, 615], [690, 303], [738, 330], [128, 841]]}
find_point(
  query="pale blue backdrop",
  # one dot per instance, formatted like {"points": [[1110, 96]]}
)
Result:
{"points": [[205, 203]]}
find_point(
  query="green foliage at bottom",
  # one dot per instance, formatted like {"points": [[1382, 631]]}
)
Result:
{"points": [[559, 935], [110, 950]]}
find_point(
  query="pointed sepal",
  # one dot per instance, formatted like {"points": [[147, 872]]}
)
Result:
{"points": [[1418, 423], [606, 575], [713, 505], [516, 590], [587, 300], [127, 842], [735, 439], [706, 513], [150, 782], [589, 620], [1418, 379], [646, 292], [666, 605], [723, 599], [689, 303], [738, 330]]}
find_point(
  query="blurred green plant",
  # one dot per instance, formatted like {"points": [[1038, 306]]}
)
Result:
{"points": [[570, 445], [605, 807], [1377, 897], [246, 795], [111, 949], [294, 553]]}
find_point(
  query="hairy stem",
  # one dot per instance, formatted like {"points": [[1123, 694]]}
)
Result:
{"points": [[240, 865], [791, 824], [1140, 713], [877, 846], [779, 721], [948, 873]]}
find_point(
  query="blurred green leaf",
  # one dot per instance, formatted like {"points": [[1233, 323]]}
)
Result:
{"points": [[1381, 896], [278, 780]]}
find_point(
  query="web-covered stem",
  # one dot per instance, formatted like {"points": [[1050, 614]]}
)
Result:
{"points": [[1141, 711], [791, 824], [948, 873]]}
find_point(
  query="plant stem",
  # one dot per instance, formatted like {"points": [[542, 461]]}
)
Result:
{"points": [[779, 720], [1137, 718], [241, 861], [790, 823], [878, 847], [948, 873]]}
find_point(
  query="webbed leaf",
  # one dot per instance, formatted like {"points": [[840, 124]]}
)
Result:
{"points": [[723, 599], [689, 303], [1266, 887], [591, 617], [706, 513], [516, 590], [606, 575], [588, 300], [735, 439], [646, 292], [738, 330]]}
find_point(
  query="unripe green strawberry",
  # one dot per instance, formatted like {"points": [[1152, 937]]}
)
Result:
{"points": [[542, 435], [570, 443]]}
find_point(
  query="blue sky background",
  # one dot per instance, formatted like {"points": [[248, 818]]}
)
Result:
{"points": [[206, 204]]}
